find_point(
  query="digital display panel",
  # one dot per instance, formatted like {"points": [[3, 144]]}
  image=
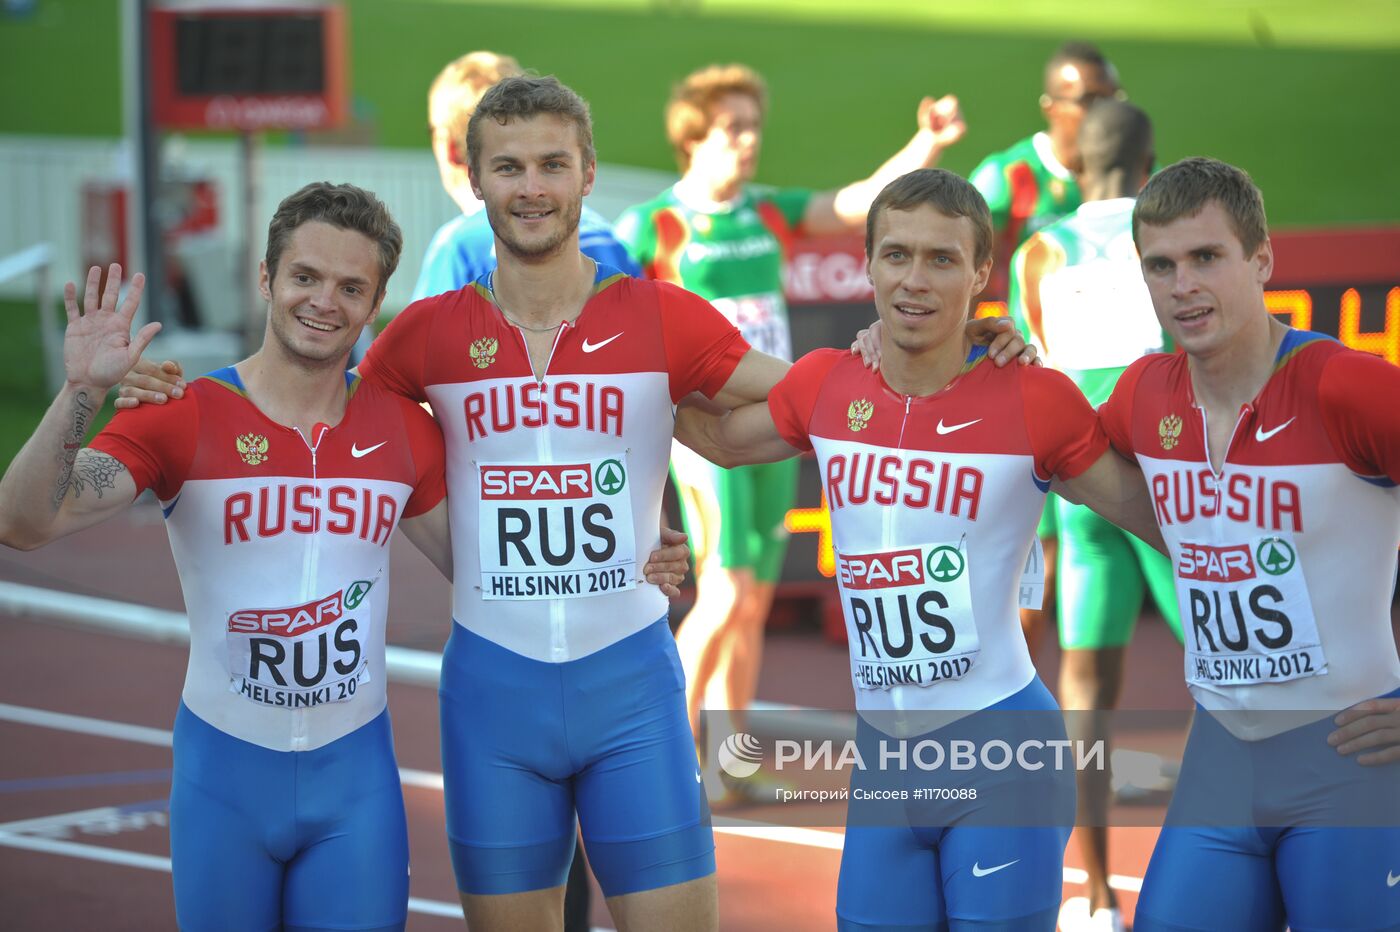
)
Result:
{"points": [[250, 55], [248, 67]]}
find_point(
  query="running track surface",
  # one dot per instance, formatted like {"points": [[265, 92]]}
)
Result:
{"points": [[83, 840]]}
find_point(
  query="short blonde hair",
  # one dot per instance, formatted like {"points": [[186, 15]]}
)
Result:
{"points": [[459, 87], [690, 112]]}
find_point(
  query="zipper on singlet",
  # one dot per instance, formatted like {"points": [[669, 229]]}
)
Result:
{"points": [[887, 518], [310, 562], [544, 448], [1219, 476]]}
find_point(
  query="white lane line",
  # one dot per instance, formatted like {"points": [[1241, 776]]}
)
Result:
{"points": [[1116, 881], [427, 779], [140, 734], [61, 820], [73, 849], [155, 862], [107, 616], [60, 721], [788, 834]]}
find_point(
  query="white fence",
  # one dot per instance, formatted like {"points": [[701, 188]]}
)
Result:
{"points": [[41, 181]]}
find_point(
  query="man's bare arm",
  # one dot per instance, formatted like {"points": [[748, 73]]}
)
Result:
{"points": [[740, 437], [54, 486], [1114, 488], [430, 532], [751, 381], [940, 125]]}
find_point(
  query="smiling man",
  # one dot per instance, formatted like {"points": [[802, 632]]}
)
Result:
{"points": [[1273, 456], [553, 378], [281, 479], [939, 455]]}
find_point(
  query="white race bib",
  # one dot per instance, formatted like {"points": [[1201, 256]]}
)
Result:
{"points": [[908, 615], [761, 320], [1246, 614], [305, 655], [556, 531]]}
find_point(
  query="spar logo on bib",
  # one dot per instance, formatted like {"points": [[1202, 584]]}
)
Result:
{"points": [[1275, 556], [1246, 613], [908, 615], [610, 477], [555, 530], [302, 655], [946, 564]]}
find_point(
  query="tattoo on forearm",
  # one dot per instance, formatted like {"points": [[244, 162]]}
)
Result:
{"points": [[72, 445], [96, 471]]}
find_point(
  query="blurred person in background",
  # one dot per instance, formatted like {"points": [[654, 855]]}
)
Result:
{"points": [[725, 239], [1028, 186], [1077, 291]]}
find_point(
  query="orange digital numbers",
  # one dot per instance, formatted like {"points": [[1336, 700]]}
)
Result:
{"points": [[808, 520], [1296, 304], [1385, 343]]}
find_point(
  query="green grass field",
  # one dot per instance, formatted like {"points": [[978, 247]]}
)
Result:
{"points": [[1296, 91]]}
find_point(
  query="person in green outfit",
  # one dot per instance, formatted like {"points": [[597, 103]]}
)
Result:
{"points": [[717, 235], [1077, 290], [1032, 184]]}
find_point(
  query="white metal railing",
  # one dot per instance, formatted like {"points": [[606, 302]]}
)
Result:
{"points": [[41, 182]]}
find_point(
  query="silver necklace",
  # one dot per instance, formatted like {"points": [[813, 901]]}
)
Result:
{"points": [[491, 289]]}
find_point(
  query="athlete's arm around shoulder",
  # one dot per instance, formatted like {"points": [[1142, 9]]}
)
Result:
{"points": [[1114, 488], [765, 431], [1071, 446], [54, 487]]}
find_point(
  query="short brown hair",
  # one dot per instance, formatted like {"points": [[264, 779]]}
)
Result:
{"points": [[690, 111], [1184, 189], [949, 194], [525, 97], [457, 89], [345, 207]]}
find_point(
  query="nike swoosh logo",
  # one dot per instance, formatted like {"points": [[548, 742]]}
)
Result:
{"points": [[1390, 879], [697, 777], [979, 871], [356, 452], [948, 429], [594, 347], [1261, 434]]}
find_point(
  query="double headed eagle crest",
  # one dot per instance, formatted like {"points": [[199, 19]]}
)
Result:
{"points": [[252, 448], [858, 414], [1169, 430], [483, 351]]}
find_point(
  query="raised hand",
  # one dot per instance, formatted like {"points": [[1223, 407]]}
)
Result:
{"points": [[98, 348], [942, 117]]}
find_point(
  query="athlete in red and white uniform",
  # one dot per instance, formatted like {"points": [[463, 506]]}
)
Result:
{"points": [[1277, 616], [913, 481], [557, 480], [287, 637], [282, 481], [1272, 457], [935, 471]]}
